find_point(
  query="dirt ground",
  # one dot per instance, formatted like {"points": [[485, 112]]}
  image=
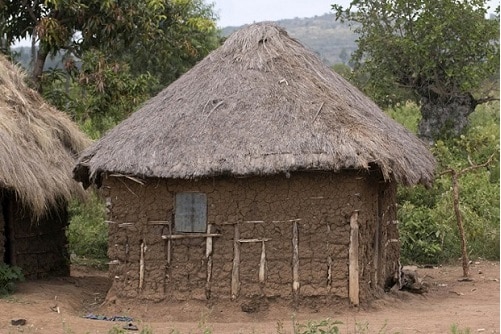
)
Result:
{"points": [[58, 306]]}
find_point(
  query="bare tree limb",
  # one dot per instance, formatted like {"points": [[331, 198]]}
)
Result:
{"points": [[455, 175]]}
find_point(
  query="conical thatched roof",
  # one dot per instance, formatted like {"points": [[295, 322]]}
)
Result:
{"points": [[38, 144], [260, 104]]}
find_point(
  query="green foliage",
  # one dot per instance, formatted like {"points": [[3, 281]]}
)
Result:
{"points": [[438, 53], [100, 95], [429, 47], [9, 275], [342, 69], [188, 34], [363, 328], [456, 330], [406, 114], [115, 54], [326, 326], [87, 232], [427, 223]]}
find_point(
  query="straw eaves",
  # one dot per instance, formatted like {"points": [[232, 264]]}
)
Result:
{"points": [[260, 104], [38, 145]]}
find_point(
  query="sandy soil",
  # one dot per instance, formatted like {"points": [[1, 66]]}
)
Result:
{"points": [[58, 306]]}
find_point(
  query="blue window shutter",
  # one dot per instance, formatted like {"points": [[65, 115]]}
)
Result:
{"points": [[191, 212]]}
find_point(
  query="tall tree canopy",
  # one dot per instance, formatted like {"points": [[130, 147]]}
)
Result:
{"points": [[441, 53], [178, 31], [116, 53]]}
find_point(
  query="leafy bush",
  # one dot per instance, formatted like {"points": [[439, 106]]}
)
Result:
{"points": [[9, 275], [407, 114], [88, 232], [428, 225]]}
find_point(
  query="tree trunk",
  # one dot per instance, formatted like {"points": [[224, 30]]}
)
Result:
{"points": [[38, 65], [445, 117]]}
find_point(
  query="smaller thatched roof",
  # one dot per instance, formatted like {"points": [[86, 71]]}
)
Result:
{"points": [[260, 104], [38, 144]]}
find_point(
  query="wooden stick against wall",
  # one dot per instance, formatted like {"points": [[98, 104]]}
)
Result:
{"points": [[169, 245], [295, 261], [235, 273], [329, 260], [208, 255], [262, 263], [141, 267], [353, 260]]}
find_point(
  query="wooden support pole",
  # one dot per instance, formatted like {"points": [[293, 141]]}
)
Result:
{"points": [[141, 266], [253, 240], [262, 264], [208, 255], [235, 273], [329, 272], [190, 236], [329, 260], [169, 245], [295, 261], [353, 260]]}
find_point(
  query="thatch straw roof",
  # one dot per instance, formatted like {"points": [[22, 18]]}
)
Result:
{"points": [[260, 104], [38, 144]]}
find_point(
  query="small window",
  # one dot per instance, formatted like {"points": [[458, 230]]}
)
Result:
{"points": [[191, 212]]}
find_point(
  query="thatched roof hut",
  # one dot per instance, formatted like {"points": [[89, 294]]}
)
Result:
{"points": [[38, 148], [38, 144], [263, 173], [261, 104]]}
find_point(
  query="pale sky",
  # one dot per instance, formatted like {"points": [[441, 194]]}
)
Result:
{"points": [[238, 12]]}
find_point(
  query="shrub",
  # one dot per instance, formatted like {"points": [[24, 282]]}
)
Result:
{"points": [[428, 226], [88, 232], [9, 275], [326, 326]]}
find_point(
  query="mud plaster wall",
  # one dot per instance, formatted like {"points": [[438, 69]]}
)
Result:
{"points": [[38, 247], [323, 202]]}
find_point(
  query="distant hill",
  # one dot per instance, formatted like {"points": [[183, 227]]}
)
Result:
{"points": [[333, 41]]}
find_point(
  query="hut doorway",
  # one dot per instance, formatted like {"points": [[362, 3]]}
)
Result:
{"points": [[6, 225]]}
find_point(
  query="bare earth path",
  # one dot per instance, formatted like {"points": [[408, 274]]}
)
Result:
{"points": [[473, 305]]}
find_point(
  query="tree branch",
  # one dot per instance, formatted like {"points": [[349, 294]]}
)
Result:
{"points": [[486, 99]]}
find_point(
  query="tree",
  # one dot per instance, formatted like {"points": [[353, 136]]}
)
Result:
{"points": [[125, 29], [115, 53], [188, 34], [442, 52], [54, 24]]}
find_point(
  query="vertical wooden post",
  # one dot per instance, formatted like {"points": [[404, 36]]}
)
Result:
{"points": [[141, 266], [208, 255], [262, 263], [295, 261], [329, 260], [353, 260], [329, 273], [169, 245], [235, 273]]}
